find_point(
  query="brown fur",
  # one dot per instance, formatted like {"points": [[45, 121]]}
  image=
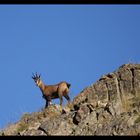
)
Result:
{"points": [[53, 91]]}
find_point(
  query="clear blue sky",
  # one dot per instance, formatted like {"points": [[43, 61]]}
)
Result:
{"points": [[76, 43]]}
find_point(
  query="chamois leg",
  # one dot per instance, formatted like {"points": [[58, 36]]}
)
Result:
{"points": [[61, 99], [67, 97], [48, 102], [46, 105]]}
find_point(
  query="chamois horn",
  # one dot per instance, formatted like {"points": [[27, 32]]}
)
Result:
{"points": [[36, 76]]}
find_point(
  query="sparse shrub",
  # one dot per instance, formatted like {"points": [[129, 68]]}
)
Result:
{"points": [[22, 126], [137, 120]]}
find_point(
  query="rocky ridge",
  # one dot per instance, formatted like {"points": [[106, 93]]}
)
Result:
{"points": [[111, 106]]}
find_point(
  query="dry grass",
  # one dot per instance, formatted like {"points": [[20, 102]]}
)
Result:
{"points": [[22, 126], [137, 120]]}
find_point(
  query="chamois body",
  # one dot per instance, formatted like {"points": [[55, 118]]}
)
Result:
{"points": [[53, 91]]}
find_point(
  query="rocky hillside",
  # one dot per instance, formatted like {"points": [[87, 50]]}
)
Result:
{"points": [[111, 106]]}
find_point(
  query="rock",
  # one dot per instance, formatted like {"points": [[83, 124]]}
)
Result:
{"points": [[111, 106], [61, 125], [32, 132], [82, 113]]}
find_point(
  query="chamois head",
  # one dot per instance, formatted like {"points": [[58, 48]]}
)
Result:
{"points": [[36, 79]]}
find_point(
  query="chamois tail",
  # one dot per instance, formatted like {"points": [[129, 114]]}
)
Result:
{"points": [[68, 85]]}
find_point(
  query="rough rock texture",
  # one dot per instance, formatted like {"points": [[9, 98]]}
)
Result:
{"points": [[111, 106]]}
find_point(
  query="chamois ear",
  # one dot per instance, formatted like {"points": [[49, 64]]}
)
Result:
{"points": [[39, 75], [34, 77]]}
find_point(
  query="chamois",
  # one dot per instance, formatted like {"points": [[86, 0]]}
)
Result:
{"points": [[52, 91]]}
